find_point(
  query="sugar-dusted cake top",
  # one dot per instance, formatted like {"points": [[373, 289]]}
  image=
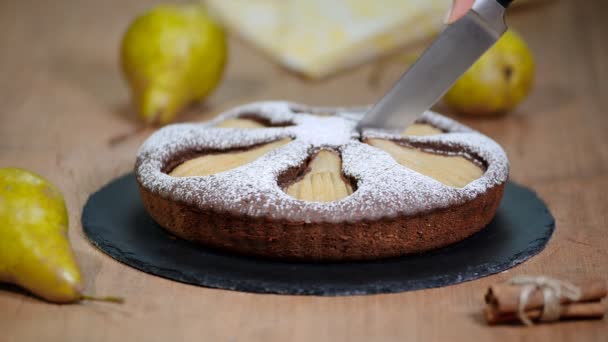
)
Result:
{"points": [[383, 186]]}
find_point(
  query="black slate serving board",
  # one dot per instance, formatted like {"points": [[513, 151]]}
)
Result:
{"points": [[116, 222]]}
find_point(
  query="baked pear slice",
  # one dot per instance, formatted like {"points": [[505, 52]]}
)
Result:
{"points": [[210, 164], [323, 182]]}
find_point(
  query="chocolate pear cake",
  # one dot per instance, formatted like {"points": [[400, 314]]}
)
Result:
{"points": [[283, 180]]}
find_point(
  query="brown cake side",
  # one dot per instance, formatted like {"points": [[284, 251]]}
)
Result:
{"points": [[362, 240]]}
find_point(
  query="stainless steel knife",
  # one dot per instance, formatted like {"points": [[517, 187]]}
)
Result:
{"points": [[439, 67]]}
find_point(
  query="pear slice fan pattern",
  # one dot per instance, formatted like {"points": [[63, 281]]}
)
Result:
{"points": [[323, 180], [329, 156]]}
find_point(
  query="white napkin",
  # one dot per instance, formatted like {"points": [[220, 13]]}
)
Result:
{"points": [[319, 37]]}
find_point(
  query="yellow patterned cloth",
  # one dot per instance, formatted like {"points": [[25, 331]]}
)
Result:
{"points": [[318, 37]]}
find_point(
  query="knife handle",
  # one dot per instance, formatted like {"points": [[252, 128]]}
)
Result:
{"points": [[504, 3]]}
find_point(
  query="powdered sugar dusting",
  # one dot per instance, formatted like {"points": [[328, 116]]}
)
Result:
{"points": [[385, 188]]}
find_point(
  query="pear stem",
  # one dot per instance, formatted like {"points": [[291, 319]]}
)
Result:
{"points": [[108, 299]]}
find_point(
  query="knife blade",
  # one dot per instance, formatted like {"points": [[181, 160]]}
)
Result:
{"points": [[456, 49]]}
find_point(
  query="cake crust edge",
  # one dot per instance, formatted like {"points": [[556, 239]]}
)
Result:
{"points": [[301, 241]]}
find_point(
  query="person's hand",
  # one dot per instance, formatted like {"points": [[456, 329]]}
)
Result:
{"points": [[459, 9]]}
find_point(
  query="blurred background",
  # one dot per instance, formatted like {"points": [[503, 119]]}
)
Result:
{"points": [[74, 45], [61, 67]]}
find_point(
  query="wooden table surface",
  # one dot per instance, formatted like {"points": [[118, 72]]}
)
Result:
{"points": [[62, 99]]}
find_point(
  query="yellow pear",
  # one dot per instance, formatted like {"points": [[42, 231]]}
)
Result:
{"points": [[172, 56], [34, 249], [497, 82]]}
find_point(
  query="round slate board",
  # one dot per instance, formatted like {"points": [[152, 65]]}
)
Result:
{"points": [[115, 221]]}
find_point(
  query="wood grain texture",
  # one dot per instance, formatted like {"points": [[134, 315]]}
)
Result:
{"points": [[62, 100]]}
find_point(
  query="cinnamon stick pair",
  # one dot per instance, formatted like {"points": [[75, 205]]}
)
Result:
{"points": [[502, 303]]}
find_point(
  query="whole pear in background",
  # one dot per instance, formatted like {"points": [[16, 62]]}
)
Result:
{"points": [[497, 82], [172, 56], [34, 249]]}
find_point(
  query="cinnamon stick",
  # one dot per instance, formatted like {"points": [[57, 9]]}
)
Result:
{"points": [[588, 310], [504, 298]]}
